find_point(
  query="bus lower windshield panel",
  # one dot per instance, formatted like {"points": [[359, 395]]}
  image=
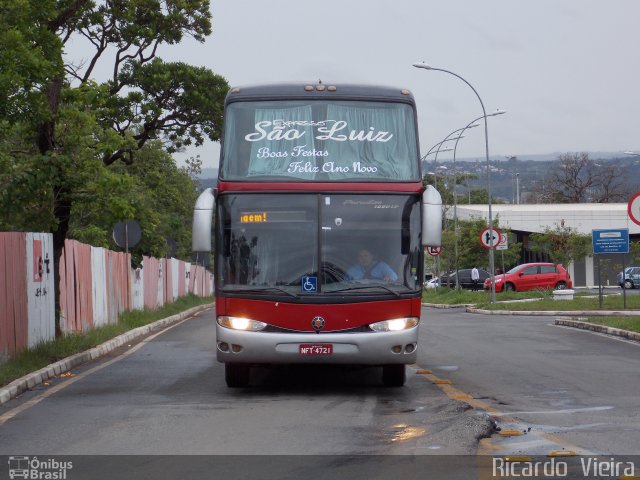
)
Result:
{"points": [[311, 244]]}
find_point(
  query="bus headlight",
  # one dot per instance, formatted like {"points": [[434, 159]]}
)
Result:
{"points": [[239, 323], [394, 325]]}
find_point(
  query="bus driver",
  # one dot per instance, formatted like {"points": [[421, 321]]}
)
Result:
{"points": [[367, 267]]}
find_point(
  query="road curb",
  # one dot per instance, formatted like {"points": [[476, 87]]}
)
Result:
{"points": [[594, 327], [15, 388], [556, 313], [444, 305]]}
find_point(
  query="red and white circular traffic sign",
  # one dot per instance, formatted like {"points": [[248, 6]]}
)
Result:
{"points": [[434, 251], [634, 208], [486, 240]]}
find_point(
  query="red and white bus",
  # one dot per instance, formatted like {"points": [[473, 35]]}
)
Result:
{"points": [[320, 222]]}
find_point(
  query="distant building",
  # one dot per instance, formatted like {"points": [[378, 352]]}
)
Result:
{"points": [[524, 219]]}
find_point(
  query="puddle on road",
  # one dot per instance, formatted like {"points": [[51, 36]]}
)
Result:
{"points": [[403, 433]]}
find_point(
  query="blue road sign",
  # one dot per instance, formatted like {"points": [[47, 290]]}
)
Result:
{"points": [[610, 241]]}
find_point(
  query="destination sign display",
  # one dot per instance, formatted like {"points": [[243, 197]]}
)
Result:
{"points": [[254, 217], [273, 216]]}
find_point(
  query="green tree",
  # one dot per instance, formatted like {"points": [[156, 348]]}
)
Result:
{"points": [[470, 251], [153, 191], [561, 244], [634, 253], [479, 196], [63, 128]]}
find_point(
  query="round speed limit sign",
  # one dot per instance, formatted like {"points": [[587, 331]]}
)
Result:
{"points": [[634, 208]]}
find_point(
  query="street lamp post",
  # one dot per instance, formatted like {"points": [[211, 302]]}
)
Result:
{"points": [[449, 137], [438, 147], [435, 176], [446, 139], [435, 146], [486, 141], [471, 124]]}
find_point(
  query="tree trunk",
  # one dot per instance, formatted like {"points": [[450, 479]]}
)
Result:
{"points": [[61, 202], [62, 213]]}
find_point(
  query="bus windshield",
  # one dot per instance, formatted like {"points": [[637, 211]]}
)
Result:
{"points": [[310, 244], [319, 140]]}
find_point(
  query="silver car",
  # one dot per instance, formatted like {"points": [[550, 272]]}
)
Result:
{"points": [[631, 278]]}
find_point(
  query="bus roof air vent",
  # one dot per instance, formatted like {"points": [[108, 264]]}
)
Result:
{"points": [[308, 88], [405, 92], [331, 88], [235, 90]]}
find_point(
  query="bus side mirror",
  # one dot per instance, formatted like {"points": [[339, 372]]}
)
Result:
{"points": [[202, 218], [431, 218]]}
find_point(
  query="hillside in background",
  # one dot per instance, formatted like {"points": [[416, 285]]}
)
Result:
{"points": [[504, 173], [529, 169]]}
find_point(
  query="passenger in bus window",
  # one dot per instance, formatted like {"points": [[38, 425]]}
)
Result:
{"points": [[369, 267]]}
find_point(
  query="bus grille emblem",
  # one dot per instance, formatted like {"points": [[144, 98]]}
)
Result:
{"points": [[317, 323]]}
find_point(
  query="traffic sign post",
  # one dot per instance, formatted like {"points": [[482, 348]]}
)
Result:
{"points": [[633, 207], [487, 239], [503, 244], [610, 241]]}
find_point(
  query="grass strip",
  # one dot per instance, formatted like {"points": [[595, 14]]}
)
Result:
{"points": [[449, 296], [624, 323], [609, 302], [49, 352]]}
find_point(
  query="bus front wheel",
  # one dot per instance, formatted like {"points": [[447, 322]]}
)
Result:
{"points": [[393, 375], [236, 374]]}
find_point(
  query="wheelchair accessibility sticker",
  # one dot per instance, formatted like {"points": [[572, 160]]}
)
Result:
{"points": [[309, 284]]}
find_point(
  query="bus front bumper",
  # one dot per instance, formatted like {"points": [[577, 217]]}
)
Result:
{"points": [[362, 348]]}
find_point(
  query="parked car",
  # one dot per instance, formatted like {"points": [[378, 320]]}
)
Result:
{"points": [[530, 276], [432, 283], [464, 275], [631, 278]]}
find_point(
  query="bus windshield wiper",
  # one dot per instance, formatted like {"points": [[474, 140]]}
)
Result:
{"points": [[263, 289], [362, 287]]}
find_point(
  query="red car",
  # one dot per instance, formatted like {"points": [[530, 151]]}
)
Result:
{"points": [[530, 276]]}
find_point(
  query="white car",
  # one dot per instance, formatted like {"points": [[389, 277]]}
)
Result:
{"points": [[433, 283]]}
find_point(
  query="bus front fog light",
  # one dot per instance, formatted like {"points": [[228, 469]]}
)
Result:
{"points": [[395, 325], [396, 349], [223, 346], [410, 348], [236, 348]]}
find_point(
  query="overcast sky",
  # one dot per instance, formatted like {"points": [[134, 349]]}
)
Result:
{"points": [[566, 71]]}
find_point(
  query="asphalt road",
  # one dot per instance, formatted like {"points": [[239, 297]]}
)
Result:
{"points": [[567, 389], [168, 396], [563, 389]]}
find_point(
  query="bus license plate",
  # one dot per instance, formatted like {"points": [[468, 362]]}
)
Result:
{"points": [[316, 349]]}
